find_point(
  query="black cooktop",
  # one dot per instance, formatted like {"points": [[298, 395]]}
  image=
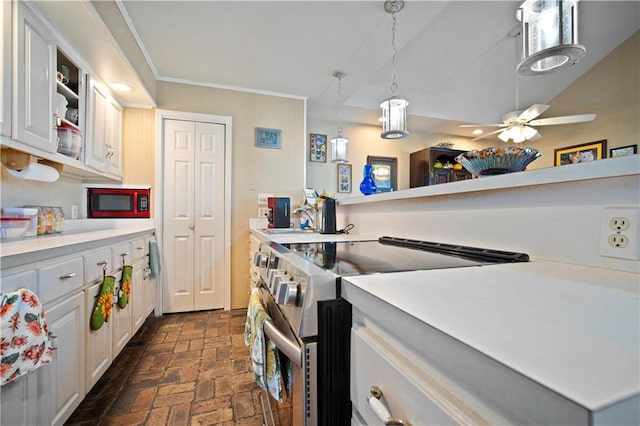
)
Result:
{"points": [[392, 254]]}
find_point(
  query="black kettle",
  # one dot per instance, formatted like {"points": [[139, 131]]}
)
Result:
{"points": [[328, 216]]}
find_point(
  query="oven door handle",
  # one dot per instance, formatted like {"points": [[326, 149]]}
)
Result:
{"points": [[291, 349]]}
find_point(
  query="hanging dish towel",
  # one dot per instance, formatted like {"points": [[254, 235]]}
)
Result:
{"points": [[154, 259], [265, 358], [125, 287], [102, 311], [25, 344]]}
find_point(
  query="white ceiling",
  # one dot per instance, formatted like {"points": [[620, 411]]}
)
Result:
{"points": [[456, 59]]}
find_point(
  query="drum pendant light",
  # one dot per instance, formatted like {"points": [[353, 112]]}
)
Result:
{"points": [[339, 143], [394, 109], [549, 36]]}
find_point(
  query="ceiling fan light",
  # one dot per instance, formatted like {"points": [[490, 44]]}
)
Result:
{"points": [[550, 36], [529, 132], [504, 136], [394, 118]]}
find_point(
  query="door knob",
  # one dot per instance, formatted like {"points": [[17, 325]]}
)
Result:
{"points": [[192, 227]]}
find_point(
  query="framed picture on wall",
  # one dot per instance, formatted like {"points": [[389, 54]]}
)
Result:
{"points": [[268, 138], [583, 153], [344, 177], [384, 170], [623, 151], [317, 148]]}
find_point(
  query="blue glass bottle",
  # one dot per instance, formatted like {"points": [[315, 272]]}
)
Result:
{"points": [[368, 185]]}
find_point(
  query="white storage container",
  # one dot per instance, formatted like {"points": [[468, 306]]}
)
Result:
{"points": [[31, 213]]}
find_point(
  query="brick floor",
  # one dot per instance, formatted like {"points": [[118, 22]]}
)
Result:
{"points": [[181, 369]]}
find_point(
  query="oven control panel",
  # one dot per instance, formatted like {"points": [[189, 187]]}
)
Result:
{"points": [[282, 279]]}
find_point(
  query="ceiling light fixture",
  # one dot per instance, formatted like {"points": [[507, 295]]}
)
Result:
{"points": [[478, 132], [550, 36], [339, 143], [121, 87], [394, 110]]}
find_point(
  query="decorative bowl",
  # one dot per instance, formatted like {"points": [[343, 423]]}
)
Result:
{"points": [[497, 161], [13, 227]]}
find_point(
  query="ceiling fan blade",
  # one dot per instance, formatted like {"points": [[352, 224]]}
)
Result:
{"points": [[483, 125], [532, 112], [567, 119], [487, 134]]}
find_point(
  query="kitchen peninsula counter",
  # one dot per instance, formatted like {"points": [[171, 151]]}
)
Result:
{"points": [[79, 235], [560, 330]]}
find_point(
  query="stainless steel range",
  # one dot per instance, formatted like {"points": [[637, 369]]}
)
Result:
{"points": [[311, 324]]}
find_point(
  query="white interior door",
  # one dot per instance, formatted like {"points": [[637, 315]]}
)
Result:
{"points": [[193, 215]]}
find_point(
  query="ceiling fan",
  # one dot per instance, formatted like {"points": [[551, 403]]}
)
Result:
{"points": [[518, 125]]}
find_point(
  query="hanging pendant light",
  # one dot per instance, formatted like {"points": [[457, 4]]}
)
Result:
{"points": [[339, 143], [394, 109], [549, 36]]}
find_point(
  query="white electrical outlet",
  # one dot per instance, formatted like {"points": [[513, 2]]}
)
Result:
{"points": [[262, 198], [619, 233], [263, 211], [74, 211]]}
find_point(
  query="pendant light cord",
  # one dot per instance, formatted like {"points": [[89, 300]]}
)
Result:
{"points": [[394, 85], [339, 105]]}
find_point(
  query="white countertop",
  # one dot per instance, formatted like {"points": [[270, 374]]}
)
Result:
{"points": [[573, 329], [78, 234], [605, 168]]}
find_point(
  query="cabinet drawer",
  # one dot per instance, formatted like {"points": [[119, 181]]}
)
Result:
{"points": [[408, 392], [59, 279], [138, 250], [120, 252], [14, 282], [94, 265]]}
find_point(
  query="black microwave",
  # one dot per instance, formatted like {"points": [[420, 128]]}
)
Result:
{"points": [[118, 202]]}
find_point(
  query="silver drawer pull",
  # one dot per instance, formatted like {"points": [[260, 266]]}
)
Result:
{"points": [[51, 337], [380, 410], [103, 263], [140, 248], [69, 275]]}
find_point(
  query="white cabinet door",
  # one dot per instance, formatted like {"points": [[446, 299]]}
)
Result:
{"points": [[113, 130], [62, 382], [96, 144], [138, 295], [34, 71], [17, 398], [104, 131], [121, 322], [99, 341], [5, 69]]}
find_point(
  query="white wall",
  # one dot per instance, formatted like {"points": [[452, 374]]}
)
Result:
{"points": [[557, 222]]}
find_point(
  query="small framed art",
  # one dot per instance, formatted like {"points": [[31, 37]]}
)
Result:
{"points": [[268, 138], [384, 172], [317, 148], [623, 151], [582, 153], [344, 177]]}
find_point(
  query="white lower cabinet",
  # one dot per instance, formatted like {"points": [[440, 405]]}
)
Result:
{"points": [[62, 383], [408, 392], [120, 322], [99, 354], [19, 396], [138, 294], [68, 288]]}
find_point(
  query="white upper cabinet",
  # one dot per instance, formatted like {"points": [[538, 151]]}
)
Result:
{"points": [[104, 131], [35, 80], [5, 69]]}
